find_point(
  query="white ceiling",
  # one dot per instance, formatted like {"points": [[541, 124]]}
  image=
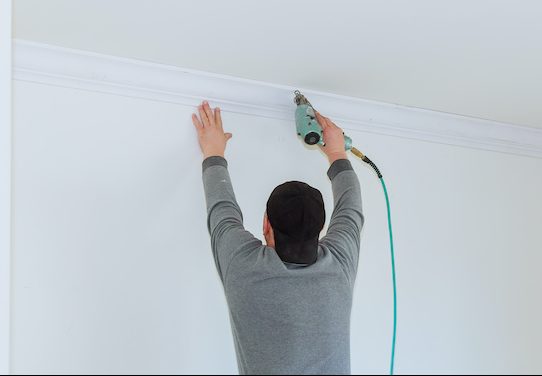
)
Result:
{"points": [[480, 58]]}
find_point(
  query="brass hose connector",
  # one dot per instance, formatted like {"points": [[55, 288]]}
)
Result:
{"points": [[357, 153]]}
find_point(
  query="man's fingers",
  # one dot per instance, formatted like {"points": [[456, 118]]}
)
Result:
{"points": [[209, 113], [228, 136], [218, 118], [197, 123], [203, 116], [325, 122], [321, 120], [330, 123]]}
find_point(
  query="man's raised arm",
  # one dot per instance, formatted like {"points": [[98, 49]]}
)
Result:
{"points": [[343, 234], [224, 217]]}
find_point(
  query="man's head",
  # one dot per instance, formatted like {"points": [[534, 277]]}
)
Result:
{"points": [[294, 218]]}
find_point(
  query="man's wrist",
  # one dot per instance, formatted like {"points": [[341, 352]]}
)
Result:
{"points": [[336, 156], [208, 155], [214, 160]]}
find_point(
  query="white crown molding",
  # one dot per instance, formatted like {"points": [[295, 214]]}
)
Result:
{"points": [[83, 70]]}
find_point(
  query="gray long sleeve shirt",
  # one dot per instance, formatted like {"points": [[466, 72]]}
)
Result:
{"points": [[287, 319]]}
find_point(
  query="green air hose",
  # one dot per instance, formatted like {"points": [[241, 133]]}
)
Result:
{"points": [[364, 158], [394, 277]]}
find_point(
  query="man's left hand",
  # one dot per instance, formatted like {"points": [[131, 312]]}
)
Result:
{"points": [[211, 136]]}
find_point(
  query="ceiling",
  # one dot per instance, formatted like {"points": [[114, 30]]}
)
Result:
{"points": [[480, 58]]}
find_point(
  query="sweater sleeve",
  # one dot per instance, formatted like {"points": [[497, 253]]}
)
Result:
{"points": [[224, 216], [343, 234]]}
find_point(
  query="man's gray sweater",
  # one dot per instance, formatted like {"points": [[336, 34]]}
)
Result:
{"points": [[287, 319]]}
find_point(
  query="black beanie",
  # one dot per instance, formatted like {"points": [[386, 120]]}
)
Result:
{"points": [[296, 213]]}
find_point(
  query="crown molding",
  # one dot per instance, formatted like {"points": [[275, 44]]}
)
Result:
{"points": [[58, 66]]}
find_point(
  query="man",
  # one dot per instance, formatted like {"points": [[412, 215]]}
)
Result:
{"points": [[289, 301]]}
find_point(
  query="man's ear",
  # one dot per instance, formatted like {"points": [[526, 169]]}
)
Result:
{"points": [[265, 224]]}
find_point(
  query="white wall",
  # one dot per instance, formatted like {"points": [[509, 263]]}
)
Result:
{"points": [[5, 181], [112, 268]]}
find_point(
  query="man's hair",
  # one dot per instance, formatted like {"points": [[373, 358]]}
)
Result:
{"points": [[296, 213]]}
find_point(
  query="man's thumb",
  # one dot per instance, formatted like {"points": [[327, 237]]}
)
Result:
{"points": [[228, 136]]}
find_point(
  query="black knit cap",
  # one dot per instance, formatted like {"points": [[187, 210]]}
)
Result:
{"points": [[296, 213]]}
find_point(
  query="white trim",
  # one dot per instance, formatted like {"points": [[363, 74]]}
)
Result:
{"points": [[5, 184], [64, 67]]}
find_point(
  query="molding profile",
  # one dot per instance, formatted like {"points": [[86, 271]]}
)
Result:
{"points": [[58, 66]]}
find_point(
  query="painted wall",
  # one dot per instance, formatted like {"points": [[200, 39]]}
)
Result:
{"points": [[5, 181], [112, 268]]}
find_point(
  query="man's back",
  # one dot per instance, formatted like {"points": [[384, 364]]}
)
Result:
{"points": [[287, 318]]}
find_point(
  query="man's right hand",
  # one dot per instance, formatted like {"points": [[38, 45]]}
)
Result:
{"points": [[333, 139]]}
